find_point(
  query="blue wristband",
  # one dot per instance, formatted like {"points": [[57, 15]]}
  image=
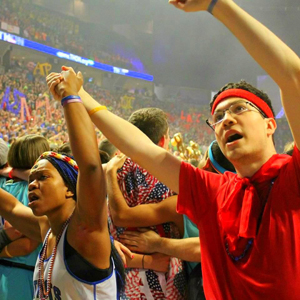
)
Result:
{"points": [[69, 98], [211, 6]]}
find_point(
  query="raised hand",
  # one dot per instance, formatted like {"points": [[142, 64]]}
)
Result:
{"points": [[71, 83], [65, 83], [53, 79], [191, 5]]}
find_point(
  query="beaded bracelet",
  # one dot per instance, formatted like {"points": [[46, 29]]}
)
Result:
{"points": [[94, 110], [70, 99], [211, 6]]}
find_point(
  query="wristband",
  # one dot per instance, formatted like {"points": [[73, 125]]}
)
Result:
{"points": [[10, 174], [143, 259], [211, 6], [4, 239], [71, 98], [94, 110], [6, 252], [71, 101]]}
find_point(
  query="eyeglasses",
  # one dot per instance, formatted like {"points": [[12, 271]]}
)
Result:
{"points": [[236, 108]]}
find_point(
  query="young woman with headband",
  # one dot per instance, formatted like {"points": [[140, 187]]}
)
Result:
{"points": [[68, 211]]}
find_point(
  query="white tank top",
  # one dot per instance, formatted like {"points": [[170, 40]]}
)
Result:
{"points": [[66, 286]]}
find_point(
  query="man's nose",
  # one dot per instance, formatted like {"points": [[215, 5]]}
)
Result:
{"points": [[228, 118]]}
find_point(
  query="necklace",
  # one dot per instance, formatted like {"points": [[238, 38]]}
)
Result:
{"points": [[41, 282]]}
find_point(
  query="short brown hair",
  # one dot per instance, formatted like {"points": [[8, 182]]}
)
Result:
{"points": [[152, 121], [26, 150], [65, 149], [106, 146]]}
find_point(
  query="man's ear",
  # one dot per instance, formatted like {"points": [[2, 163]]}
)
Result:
{"points": [[271, 126], [161, 142]]}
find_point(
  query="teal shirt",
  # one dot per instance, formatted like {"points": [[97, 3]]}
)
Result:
{"points": [[15, 283], [190, 230]]}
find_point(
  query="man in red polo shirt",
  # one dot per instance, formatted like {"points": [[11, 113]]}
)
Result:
{"points": [[248, 222]]}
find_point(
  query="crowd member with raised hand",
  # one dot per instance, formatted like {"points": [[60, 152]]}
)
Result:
{"points": [[249, 220], [69, 212]]}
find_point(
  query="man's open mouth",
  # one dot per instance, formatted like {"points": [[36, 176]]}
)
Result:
{"points": [[233, 138]]}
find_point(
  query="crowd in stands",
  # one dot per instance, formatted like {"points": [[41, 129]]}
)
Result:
{"points": [[52, 29], [189, 119], [64, 33], [82, 218]]}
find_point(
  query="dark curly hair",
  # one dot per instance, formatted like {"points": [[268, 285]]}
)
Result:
{"points": [[243, 85]]}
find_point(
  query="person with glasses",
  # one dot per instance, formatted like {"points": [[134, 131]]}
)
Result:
{"points": [[249, 222], [236, 108]]}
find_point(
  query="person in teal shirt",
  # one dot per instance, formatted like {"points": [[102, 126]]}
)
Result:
{"points": [[17, 259]]}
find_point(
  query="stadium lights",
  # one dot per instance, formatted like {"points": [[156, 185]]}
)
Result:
{"points": [[17, 40]]}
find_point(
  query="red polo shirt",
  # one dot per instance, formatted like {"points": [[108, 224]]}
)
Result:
{"points": [[271, 268]]}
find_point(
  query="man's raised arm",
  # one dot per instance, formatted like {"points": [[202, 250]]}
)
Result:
{"points": [[126, 137], [135, 144], [274, 56]]}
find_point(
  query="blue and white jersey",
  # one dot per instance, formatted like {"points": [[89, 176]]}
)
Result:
{"points": [[66, 286]]}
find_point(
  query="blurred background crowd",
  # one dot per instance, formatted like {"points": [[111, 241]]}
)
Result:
{"points": [[21, 73]]}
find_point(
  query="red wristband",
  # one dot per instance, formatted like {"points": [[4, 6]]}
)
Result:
{"points": [[10, 174]]}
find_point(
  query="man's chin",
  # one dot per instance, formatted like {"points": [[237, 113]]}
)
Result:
{"points": [[234, 155]]}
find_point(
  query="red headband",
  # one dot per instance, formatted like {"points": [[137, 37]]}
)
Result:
{"points": [[245, 95]]}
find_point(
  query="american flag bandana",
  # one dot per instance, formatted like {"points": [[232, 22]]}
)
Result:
{"points": [[140, 187]]}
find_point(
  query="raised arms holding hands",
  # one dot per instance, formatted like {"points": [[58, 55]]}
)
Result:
{"points": [[87, 232], [124, 135]]}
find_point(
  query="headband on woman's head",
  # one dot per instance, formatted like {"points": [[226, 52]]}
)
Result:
{"points": [[62, 157], [66, 166], [261, 104]]}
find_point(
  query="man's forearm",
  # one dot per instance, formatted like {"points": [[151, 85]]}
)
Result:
{"points": [[121, 133], [186, 249], [135, 144], [274, 56], [116, 202]]}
